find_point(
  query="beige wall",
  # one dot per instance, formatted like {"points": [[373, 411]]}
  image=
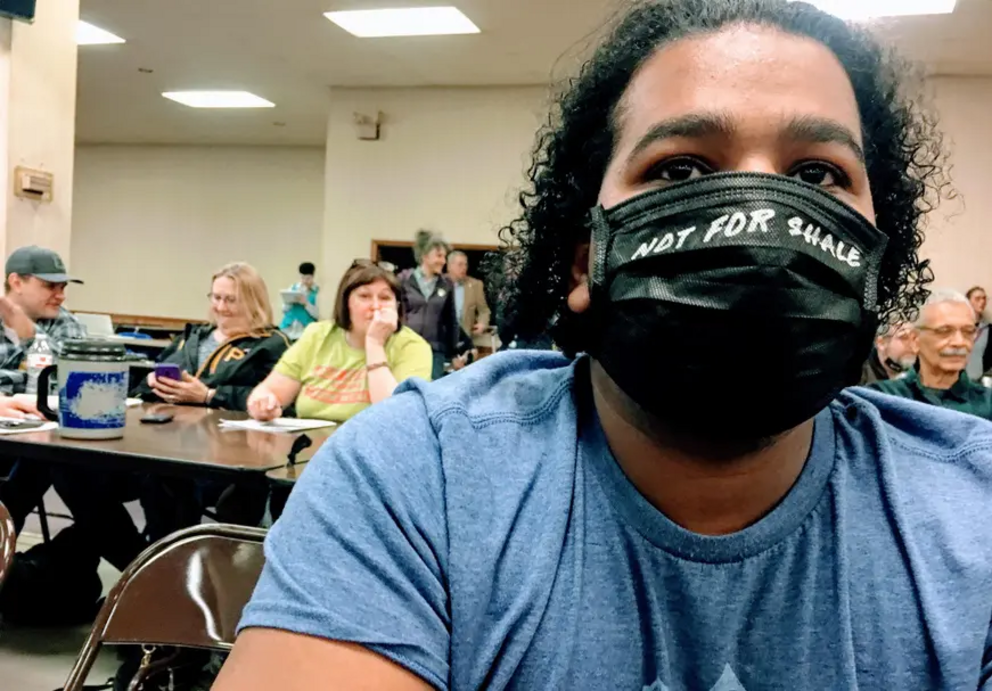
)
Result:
{"points": [[38, 97], [959, 238], [451, 160], [152, 223]]}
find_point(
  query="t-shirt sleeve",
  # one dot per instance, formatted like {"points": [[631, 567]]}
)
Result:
{"points": [[413, 358], [359, 555], [297, 360]]}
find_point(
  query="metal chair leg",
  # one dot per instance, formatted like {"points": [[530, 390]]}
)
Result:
{"points": [[43, 520]]}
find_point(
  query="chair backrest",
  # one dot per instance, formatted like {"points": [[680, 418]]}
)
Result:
{"points": [[8, 542], [187, 589], [96, 324]]}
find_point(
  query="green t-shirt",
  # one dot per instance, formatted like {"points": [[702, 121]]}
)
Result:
{"points": [[335, 384]]}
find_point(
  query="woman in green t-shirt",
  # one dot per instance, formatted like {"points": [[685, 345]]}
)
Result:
{"points": [[339, 368]]}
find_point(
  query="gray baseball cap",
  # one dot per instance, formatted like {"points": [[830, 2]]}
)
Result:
{"points": [[38, 262]]}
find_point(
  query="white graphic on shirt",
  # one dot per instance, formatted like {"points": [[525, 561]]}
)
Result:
{"points": [[728, 681]]}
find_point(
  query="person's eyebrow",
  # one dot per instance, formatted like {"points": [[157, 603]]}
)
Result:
{"points": [[823, 131], [691, 126]]}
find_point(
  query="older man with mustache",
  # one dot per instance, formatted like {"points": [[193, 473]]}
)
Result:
{"points": [[943, 338]]}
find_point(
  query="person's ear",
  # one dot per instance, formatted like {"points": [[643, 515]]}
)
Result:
{"points": [[914, 342], [578, 287]]}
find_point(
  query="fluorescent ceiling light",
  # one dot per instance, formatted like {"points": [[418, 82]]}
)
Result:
{"points": [[89, 35], [411, 21], [218, 99], [859, 10]]}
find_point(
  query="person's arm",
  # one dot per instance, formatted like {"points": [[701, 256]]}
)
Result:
{"points": [[311, 303], [65, 328], [353, 593], [485, 314], [269, 399], [450, 327], [304, 663], [172, 354], [12, 381], [381, 380]]}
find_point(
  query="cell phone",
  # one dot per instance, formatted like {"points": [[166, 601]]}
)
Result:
{"points": [[21, 424], [168, 371], [157, 418]]}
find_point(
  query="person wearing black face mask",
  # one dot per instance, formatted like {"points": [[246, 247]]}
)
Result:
{"points": [[619, 515]]}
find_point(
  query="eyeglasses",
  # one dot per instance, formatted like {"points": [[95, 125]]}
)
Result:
{"points": [[947, 331], [226, 299]]}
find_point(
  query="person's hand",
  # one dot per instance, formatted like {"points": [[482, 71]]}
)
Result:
{"points": [[384, 324], [479, 328], [17, 409], [189, 390], [13, 316], [263, 405]]}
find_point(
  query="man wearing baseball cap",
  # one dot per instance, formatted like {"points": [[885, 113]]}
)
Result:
{"points": [[34, 287]]}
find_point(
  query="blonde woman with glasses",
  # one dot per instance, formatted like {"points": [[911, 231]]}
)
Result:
{"points": [[222, 361]]}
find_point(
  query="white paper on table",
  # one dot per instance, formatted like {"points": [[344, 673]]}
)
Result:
{"points": [[53, 401], [283, 425], [43, 428]]}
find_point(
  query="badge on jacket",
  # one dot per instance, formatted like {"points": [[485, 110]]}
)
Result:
{"points": [[441, 292]]}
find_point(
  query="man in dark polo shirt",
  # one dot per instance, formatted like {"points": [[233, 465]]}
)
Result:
{"points": [[944, 337]]}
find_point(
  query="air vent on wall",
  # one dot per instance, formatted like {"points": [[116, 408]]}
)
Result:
{"points": [[33, 184]]}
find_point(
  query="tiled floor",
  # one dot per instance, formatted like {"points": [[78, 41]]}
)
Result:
{"points": [[40, 659]]}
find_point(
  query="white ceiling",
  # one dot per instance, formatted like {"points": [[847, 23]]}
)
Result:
{"points": [[287, 52]]}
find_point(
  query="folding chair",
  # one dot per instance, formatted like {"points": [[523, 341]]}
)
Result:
{"points": [[186, 590], [8, 542]]}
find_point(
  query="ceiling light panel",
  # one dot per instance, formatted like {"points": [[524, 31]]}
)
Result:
{"points": [[411, 21], [218, 99]]}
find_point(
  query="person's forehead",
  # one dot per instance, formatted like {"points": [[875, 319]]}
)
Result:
{"points": [[753, 73], [948, 314], [224, 284]]}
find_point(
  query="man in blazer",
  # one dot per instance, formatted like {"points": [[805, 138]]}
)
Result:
{"points": [[470, 299]]}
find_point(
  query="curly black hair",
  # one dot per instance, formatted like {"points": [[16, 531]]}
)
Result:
{"points": [[903, 152]]}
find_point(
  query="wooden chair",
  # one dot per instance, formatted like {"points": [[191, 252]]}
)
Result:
{"points": [[8, 542], [186, 590]]}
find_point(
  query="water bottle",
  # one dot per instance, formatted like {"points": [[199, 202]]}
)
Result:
{"points": [[39, 356]]}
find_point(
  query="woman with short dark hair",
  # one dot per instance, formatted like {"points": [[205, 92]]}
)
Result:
{"points": [[339, 368]]}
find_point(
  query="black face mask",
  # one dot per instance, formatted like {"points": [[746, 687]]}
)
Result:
{"points": [[735, 305]]}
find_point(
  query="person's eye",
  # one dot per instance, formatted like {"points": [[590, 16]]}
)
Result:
{"points": [[678, 170], [820, 174]]}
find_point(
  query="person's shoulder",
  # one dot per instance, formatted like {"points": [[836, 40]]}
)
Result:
{"points": [[893, 387], [272, 339], [318, 331], [521, 386], [923, 434], [66, 316], [405, 337]]}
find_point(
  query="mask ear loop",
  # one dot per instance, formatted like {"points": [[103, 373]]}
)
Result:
{"points": [[600, 242]]}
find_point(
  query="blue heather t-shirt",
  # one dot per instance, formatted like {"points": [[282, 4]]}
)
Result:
{"points": [[479, 532]]}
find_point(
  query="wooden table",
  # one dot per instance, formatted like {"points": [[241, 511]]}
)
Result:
{"points": [[287, 475], [193, 444]]}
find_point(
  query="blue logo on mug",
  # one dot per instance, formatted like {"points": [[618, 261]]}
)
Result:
{"points": [[93, 400]]}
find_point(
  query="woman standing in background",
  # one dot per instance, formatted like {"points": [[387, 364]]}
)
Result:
{"points": [[429, 299], [299, 315]]}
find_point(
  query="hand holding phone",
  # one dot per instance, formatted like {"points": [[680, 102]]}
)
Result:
{"points": [[168, 371]]}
